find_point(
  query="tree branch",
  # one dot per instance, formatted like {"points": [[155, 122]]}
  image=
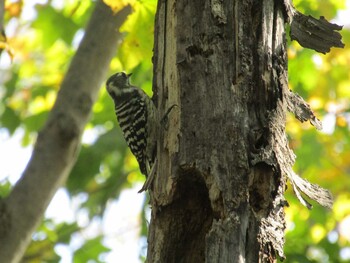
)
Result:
{"points": [[58, 142]]}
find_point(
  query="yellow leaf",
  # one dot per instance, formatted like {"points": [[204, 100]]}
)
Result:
{"points": [[2, 37], [341, 121], [316, 103], [318, 232], [5, 46], [344, 88], [291, 53], [14, 9], [117, 5], [341, 207]]}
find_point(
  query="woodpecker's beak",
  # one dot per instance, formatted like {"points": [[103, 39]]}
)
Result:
{"points": [[129, 75]]}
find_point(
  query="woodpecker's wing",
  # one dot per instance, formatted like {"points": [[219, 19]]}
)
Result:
{"points": [[132, 118]]}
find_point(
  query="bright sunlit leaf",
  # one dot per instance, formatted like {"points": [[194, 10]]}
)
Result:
{"points": [[117, 5], [318, 232], [14, 8]]}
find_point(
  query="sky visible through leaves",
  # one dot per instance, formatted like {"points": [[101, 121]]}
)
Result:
{"points": [[98, 215]]}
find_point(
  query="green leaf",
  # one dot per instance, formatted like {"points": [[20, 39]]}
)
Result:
{"points": [[138, 44], [10, 119], [90, 251], [65, 232], [35, 122], [54, 25], [99, 171], [41, 251], [10, 85], [91, 157], [5, 188]]}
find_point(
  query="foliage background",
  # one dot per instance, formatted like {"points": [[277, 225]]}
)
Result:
{"points": [[42, 37]]}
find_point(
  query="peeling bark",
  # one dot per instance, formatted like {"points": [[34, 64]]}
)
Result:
{"points": [[317, 34]]}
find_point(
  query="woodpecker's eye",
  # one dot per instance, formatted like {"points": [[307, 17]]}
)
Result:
{"points": [[123, 74]]}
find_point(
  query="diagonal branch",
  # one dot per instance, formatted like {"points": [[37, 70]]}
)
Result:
{"points": [[58, 142]]}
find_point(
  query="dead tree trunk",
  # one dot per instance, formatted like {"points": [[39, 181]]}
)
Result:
{"points": [[223, 156]]}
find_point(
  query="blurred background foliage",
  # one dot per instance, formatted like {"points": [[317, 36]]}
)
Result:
{"points": [[42, 37]]}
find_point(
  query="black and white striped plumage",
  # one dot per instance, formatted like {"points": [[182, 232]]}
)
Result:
{"points": [[137, 118]]}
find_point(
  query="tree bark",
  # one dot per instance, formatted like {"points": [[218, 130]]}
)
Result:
{"points": [[223, 155], [58, 142], [214, 61]]}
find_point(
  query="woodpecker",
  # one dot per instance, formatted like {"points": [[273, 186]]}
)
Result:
{"points": [[136, 114]]}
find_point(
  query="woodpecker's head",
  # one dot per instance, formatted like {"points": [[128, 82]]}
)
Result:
{"points": [[118, 81]]}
